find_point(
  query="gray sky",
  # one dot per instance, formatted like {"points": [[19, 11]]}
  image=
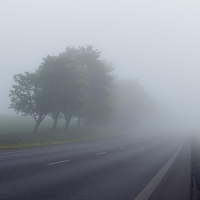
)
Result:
{"points": [[154, 41]]}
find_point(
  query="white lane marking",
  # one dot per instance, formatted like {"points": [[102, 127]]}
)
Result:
{"points": [[122, 148], [101, 153], [58, 162], [148, 190]]}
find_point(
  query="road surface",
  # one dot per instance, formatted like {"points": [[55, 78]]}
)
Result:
{"points": [[121, 168]]}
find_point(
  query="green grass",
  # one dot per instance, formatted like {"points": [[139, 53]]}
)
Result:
{"points": [[16, 132]]}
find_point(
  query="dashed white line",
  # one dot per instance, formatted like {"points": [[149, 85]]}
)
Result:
{"points": [[58, 162], [101, 153]]}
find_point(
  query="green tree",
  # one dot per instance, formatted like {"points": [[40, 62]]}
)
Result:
{"points": [[66, 83], [29, 97], [76, 83], [53, 73], [86, 82], [98, 105]]}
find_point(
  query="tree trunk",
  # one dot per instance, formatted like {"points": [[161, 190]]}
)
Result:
{"points": [[54, 124], [68, 119], [78, 122], [37, 124], [55, 118]]}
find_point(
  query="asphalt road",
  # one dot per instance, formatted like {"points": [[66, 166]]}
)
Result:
{"points": [[120, 168]]}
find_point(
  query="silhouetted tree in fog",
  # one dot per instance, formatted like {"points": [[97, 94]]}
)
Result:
{"points": [[78, 84], [132, 103], [29, 97]]}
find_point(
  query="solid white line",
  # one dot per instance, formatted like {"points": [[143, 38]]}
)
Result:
{"points": [[58, 162], [101, 153], [148, 190]]}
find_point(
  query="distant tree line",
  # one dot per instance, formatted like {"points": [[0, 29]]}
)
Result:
{"points": [[77, 84], [132, 104]]}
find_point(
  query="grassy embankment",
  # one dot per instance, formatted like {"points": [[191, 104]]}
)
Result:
{"points": [[16, 132]]}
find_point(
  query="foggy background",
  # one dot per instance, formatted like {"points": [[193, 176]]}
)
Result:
{"points": [[155, 42]]}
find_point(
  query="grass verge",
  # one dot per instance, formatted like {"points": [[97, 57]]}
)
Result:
{"points": [[16, 132]]}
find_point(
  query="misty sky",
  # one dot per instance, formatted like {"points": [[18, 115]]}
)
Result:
{"points": [[156, 42]]}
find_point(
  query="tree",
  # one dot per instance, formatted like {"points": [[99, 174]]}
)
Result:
{"points": [[82, 83], [98, 105], [75, 96], [132, 103], [66, 82], [30, 98], [52, 72], [75, 83]]}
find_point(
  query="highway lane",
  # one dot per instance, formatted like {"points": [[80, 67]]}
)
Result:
{"points": [[115, 168]]}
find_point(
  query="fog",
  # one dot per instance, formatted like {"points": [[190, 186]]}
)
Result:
{"points": [[155, 42]]}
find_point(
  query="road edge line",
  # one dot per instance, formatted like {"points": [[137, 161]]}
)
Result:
{"points": [[151, 186]]}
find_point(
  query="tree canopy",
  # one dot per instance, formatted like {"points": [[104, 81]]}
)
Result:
{"points": [[79, 84], [29, 97], [73, 84]]}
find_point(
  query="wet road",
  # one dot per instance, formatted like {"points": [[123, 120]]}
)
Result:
{"points": [[118, 168]]}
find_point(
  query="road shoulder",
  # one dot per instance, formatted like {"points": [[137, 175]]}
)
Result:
{"points": [[176, 183]]}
